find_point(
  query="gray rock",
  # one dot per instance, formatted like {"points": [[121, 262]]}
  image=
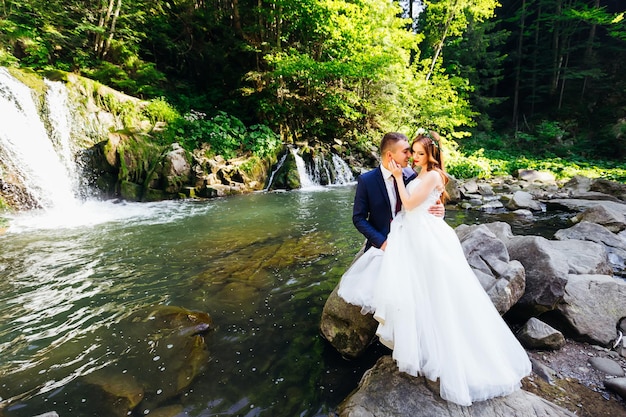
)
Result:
{"points": [[608, 217], [543, 371], [532, 175], [580, 205], [502, 230], [523, 200], [592, 305], [613, 244], [385, 392], [606, 365], [536, 334], [491, 205], [485, 190], [523, 213], [584, 257], [345, 328], [546, 273], [617, 385], [578, 183], [548, 265], [452, 188], [613, 188], [469, 187], [503, 279]]}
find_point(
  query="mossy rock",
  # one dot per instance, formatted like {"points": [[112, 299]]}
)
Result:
{"points": [[153, 194], [131, 191]]}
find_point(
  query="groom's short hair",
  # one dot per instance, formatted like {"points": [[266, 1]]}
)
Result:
{"points": [[391, 139]]}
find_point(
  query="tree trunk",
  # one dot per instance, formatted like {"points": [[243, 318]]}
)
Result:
{"points": [[533, 87], [518, 67], [589, 55], [237, 18], [103, 23], [556, 59], [451, 15], [107, 46]]}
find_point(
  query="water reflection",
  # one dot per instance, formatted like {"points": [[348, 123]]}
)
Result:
{"points": [[261, 265]]}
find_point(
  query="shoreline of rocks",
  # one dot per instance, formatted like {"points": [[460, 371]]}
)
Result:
{"points": [[567, 296]]}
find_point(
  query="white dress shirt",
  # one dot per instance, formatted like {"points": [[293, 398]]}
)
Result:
{"points": [[391, 192]]}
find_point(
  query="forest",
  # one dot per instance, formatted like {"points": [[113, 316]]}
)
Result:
{"points": [[515, 80]]}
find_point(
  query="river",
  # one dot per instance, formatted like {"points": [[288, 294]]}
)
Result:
{"points": [[261, 265]]}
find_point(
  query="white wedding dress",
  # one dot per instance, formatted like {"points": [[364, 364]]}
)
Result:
{"points": [[432, 310]]}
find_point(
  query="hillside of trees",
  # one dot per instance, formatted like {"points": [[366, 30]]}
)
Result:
{"points": [[544, 77]]}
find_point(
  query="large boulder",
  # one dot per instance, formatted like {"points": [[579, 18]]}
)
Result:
{"points": [[546, 273], [145, 375], [343, 325], [548, 265], [614, 245], [176, 169], [592, 306], [384, 391], [613, 188], [606, 216], [536, 334], [503, 279], [523, 200]]}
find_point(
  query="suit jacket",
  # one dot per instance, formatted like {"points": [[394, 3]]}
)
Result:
{"points": [[371, 213]]}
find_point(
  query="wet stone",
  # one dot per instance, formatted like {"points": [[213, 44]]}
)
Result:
{"points": [[608, 366], [617, 385]]}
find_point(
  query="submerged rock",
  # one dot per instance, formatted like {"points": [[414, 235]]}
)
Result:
{"points": [[158, 353]]}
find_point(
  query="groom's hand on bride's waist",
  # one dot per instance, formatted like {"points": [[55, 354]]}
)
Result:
{"points": [[437, 210]]}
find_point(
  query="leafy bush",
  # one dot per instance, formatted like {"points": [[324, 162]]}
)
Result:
{"points": [[261, 140], [226, 135], [483, 164], [159, 110]]}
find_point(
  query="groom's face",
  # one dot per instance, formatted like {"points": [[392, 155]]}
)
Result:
{"points": [[401, 152]]}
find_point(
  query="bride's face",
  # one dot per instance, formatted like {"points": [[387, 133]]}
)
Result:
{"points": [[420, 157]]}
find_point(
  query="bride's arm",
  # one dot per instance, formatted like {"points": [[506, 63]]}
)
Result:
{"points": [[430, 181]]}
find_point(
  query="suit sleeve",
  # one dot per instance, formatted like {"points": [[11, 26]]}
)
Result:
{"points": [[361, 213]]}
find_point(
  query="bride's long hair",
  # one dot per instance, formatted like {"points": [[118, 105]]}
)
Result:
{"points": [[431, 141]]}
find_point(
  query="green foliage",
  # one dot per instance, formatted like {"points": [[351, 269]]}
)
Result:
{"points": [[225, 134], [482, 163], [261, 140], [159, 110], [133, 76]]}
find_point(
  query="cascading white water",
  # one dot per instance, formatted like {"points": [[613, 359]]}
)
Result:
{"points": [[26, 148], [343, 173], [278, 167], [306, 182], [337, 173], [60, 120]]}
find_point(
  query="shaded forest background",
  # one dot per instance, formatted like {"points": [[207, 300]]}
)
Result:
{"points": [[538, 78]]}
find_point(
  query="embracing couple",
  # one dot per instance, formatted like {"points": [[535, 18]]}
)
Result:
{"points": [[413, 276]]}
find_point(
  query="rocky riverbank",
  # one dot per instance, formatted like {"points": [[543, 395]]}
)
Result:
{"points": [[564, 297]]}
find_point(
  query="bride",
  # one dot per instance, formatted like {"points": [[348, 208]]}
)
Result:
{"points": [[432, 311]]}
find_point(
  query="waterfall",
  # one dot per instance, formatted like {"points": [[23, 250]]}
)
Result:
{"points": [[343, 173], [278, 167], [306, 182], [28, 150], [323, 171]]}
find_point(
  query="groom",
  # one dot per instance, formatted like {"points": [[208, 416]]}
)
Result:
{"points": [[376, 194]]}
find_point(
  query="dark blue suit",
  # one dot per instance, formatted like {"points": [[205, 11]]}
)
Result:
{"points": [[371, 213]]}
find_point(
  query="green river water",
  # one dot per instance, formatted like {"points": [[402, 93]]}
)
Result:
{"points": [[261, 265]]}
